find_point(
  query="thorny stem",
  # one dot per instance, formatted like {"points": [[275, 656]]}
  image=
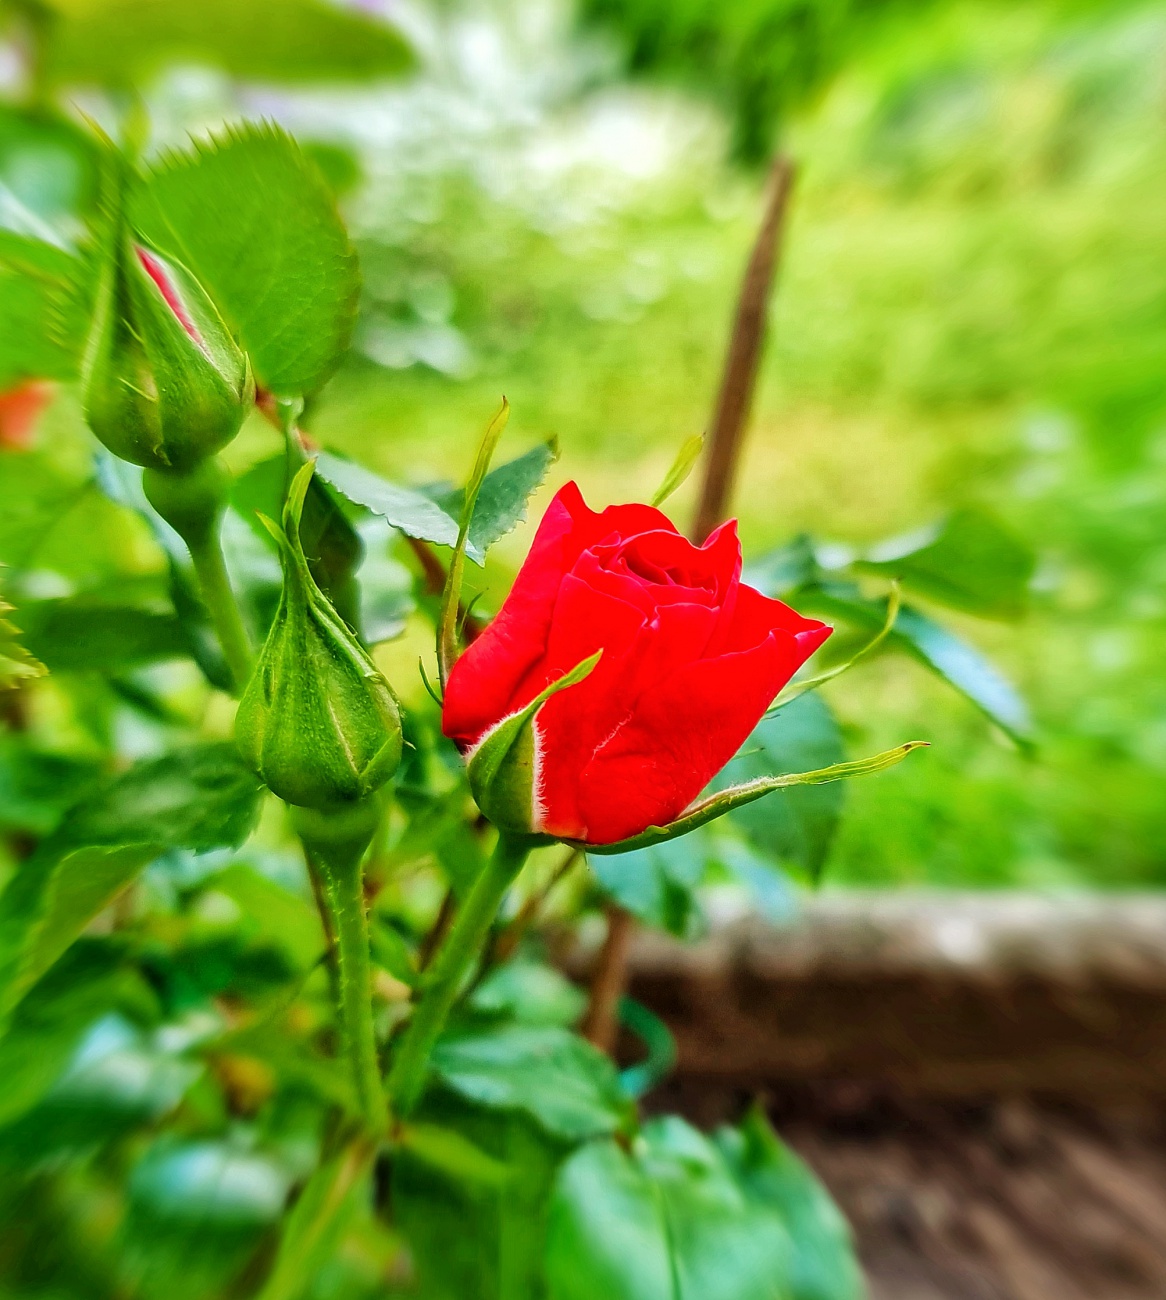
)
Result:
{"points": [[738, 380], [336, 844], [444, 977]]}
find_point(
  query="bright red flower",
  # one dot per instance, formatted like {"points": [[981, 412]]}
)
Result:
{"points": [[691, 660]]}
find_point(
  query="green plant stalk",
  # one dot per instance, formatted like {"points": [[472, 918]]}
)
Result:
{"points": [[444, 977], [335, 843], [215, 586]]}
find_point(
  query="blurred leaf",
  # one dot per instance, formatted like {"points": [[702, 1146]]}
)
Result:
{"points": [[665, 1221], [81, 634], [36, 495], [386, 585], [49, 171], [794, 827], [656, 884], [450, 1153], [482, 1238], [248, 214], [823, 1265], [317, 1220], [36, 785], [42, 310], [502, 498], [531, 993], [550, 1074], [198, 798], [970, 562], [120, 42], [283, 919], [947, 655], [639, 1079]]}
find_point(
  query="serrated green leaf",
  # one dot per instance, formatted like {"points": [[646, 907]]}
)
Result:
{"points": [[43, 296], [823, 1264], [17, 664], [412, 512], [793, 827], [120, 42], [254, 221], [554, 1076], [970, 562], [501, 503], [665, 1221], [199, 798]]}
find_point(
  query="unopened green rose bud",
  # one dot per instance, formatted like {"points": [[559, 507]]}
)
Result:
{"points": [[318, 721], [163, 382]]}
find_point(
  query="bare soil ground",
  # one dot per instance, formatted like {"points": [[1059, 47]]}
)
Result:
{"points": [[980, 1081]]}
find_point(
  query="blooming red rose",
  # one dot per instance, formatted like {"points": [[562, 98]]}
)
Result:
{"points": [[691, 660]]}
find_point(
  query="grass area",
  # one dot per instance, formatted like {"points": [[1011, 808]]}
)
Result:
{"points": [[972, 309]]}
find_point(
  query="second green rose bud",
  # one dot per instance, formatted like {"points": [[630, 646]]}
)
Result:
{"points": [[318, 721]]}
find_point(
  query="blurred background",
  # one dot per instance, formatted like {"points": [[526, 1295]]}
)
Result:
{"points": [[556, 201]]}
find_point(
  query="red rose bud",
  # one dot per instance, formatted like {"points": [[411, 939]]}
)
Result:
{"points": [[691, 660], [20, 409], [317, 721], [163, 382]]}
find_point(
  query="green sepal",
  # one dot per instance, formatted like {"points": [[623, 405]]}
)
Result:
{"points": [[717, 805], [318, 721], [502, 767], [164, 384]]}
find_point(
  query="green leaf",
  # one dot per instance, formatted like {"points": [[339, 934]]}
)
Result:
{"points": [[478, 1238], [80, 634], [531, 993], [48, 173], [794, 827], [199, 798], [412, 512], [665, 1221], [254, 221], [501, 503], [42, 310], [948, 656], [969, 562], [316, 1221], [823, 1266], [686, 458], [37, 785], [717, 805], [121, 42], [657, 884], [557, 1078]]}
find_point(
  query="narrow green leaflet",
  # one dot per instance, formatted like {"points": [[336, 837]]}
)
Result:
{"points": [[680, 469], [552, 1075], [255, 222], [794, 827], [947, 655], [664, 1221], [119, 42], [199, 798], [736, 796], [969, 562], [502, 498], [823, 1265]]}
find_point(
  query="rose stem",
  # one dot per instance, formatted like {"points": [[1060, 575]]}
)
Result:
{"points": [[215, 587], [335, 843], [738, 380], [443, 978]]}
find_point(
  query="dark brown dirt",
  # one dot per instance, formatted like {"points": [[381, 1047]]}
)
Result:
{"points": [[995, 1130]]}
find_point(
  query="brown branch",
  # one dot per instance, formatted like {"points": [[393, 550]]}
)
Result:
{"points": [[741, 364], [609, 981], [437, 931], [738, 380], [508, 941]]}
